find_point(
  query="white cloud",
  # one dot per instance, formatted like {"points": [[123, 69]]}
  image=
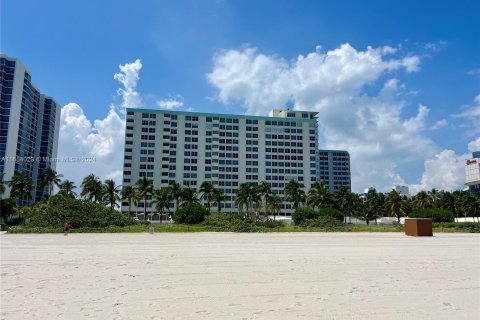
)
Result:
{"points": [[128, 76], [171, 103], [371, 128], [102, 140], [471, 117], [435, 46], [474, 145], [439, 124], [445, 171]]}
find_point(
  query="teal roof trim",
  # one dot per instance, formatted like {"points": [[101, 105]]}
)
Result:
{"points": [[223, 115]]}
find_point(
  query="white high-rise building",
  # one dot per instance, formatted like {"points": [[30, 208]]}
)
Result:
{"points": [[29, 126], [190, 148], [472, 173]]}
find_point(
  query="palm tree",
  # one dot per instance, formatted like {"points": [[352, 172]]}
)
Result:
{"points": [[294, 193], [20, 186], [66, 189], [447, 201], [264, 190], [111, 193], [319, 196], [207, 190], [374, 205], [161, 200], [395, 205], [218, 197], [422, 200], [92, 188], [189, 196], [434, 197], [274, 204], [247, 196], [129, 193], [176, 190], [144, 187], [50, 177], [347, 202]]}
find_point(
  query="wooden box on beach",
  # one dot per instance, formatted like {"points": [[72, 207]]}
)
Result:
{"points": [[419, 227]]}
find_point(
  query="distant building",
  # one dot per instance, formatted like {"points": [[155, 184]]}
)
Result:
{"points": [[333, 168], [402, 190], [472, 173], [29, 126]]}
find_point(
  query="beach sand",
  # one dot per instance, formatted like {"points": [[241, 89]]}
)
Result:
{"points": [[240, 276]]}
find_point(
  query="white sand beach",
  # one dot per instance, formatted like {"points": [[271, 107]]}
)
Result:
{"points": [[240, 276]]}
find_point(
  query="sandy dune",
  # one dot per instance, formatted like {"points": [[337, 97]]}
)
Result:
{"points": [[240, 276]]}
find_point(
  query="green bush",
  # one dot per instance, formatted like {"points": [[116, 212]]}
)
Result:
{"points": [[79, 214], [301, 214], [331, 212], [190, 214], [438, 215], [271, 224], [235, 222], [321, 222], [459, 226]]}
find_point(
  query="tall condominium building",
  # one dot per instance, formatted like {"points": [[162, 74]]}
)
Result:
{"points": [[402, 190], [29, 125], [472, 173], [333, 169], [189, 148]]}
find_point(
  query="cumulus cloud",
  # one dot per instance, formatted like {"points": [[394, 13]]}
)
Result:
{"points": [[260, 81], [128, 76], [445, 171], [103, 139], [371, 127], [171, 103], [474, 145]]}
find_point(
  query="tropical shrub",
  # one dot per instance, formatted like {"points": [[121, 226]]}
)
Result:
{"points": [[460, 226], [321, 222], [78, 213], [437, 215], [190, 214], [239, 223], [331, 212], [301, 214]]}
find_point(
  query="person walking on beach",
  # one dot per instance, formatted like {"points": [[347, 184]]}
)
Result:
{"points": [[66, 226]]}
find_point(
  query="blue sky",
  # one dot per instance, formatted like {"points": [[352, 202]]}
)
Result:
{"points": [[73, 49]]}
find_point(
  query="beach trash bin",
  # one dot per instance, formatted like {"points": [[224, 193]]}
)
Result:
{"points": [[418, 227]]}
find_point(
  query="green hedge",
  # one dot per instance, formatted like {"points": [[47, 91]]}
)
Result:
{"points": [[331, 212], [190, 214], [235, 222], [321, 222], [473, 227], [437, 215], [79, 214], [301, 214], [306, 213]]}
